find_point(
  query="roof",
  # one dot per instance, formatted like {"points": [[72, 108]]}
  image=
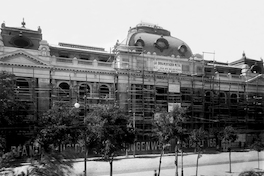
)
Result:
{"points": [[78, 48], [154, 39], [227, 66], [20, 28], [244, 60]]}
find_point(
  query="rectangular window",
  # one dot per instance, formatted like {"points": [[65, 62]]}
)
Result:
{"points": [[64, 55], [185, 68]]}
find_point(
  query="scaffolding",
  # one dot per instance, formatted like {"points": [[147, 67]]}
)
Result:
{"points": [[214, 99]]}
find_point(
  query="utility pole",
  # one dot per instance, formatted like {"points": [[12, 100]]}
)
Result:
{"points": [[134, 125]]}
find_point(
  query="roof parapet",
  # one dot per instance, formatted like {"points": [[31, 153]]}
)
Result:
{"points": [[81, 47]]}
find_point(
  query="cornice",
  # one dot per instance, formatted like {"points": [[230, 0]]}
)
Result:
{"points": [[57, 68], [82, 70], [25, 65], [21, 52]]}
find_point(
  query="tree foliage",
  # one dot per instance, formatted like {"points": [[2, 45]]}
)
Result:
{"points": [[57, 126], [11, 118], [51, 164], [114, 130], [10, 108], [257, 145], [168, 125], [228, 134], [92, 127], [249, 173], [197, 136]]}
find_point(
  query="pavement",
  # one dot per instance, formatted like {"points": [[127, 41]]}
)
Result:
{"points": [[209, 164], [204, 170], [216, 164]]}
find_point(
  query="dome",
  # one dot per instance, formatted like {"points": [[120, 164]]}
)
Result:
{"points": [[155, 39]]}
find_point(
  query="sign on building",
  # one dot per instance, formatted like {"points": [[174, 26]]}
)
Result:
{"points": [[171, 106], [167, 66], [174, 88]]}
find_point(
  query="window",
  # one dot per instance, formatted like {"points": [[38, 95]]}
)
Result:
{"points": [[222, 98], [161, 44], [84, 57], [22, 89], [21, 42], [208, 96], [104, 91], [84, 90], [64, 55], [64, 91], [185, 68], [22, 84], [233, 98]]}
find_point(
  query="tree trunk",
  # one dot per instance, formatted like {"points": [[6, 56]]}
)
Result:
{"points": [[111, 167], [258, 159], [197, 164], [161, 153], [181, 161], [85, 161], [176, 159], [230, 171]]}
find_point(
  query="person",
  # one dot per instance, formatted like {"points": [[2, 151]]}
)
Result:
{"points": [[155, 173]]}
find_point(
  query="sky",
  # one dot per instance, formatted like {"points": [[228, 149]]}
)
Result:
{"points": [[222, 29]]}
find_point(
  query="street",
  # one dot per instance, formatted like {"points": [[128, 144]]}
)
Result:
{"points": [[209, 164], [210, 170]]}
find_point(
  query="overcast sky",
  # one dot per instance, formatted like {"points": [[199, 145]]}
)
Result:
{"points": [[225, 27]]}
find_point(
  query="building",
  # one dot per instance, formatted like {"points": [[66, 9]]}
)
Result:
{"points": [[150, 72]]}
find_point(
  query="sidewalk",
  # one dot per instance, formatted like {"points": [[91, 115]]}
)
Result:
{"points": [[151, 162], [211, 170], [146, 164]]}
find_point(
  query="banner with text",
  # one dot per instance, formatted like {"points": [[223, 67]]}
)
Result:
{"points": [[167, 66]]}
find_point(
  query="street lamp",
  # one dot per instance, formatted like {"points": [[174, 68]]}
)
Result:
{"points": [[77, 105]]}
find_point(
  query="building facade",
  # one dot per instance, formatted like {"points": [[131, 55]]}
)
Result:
{"points": [[152, 71]]}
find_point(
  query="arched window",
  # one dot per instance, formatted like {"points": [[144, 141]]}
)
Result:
{"points": [[222, 98], [255, 69], [84, 90], [22, 88], [233, 98], [22, 84], [104, 91], [64, 91], [208, 96]]}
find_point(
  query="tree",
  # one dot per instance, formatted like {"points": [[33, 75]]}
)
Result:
{"points": [[229, 135], [168, 126], [197, 136], [216, 133], [115, 131], [91, 134], [51, 163], [258, 146], [11, 118], [249, 173], [5, 157], [10, 108], [57, 126]]}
